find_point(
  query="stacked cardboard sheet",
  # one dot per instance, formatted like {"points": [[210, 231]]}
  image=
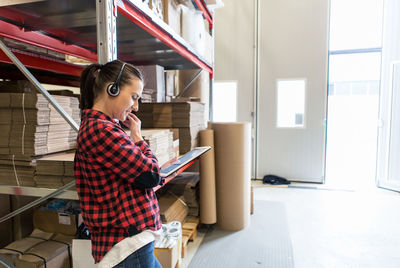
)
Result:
{"points": [[188, 117], [55, 171], [17, 170], [189, 138], [172, 208], [161, 143], [29, 124], [157, 115], [187, 185], [188, 114]]}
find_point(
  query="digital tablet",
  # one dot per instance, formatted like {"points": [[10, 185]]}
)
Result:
{"points": [[183, 160]]}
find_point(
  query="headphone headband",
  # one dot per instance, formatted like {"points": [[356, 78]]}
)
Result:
{"points": [[113, 89]]}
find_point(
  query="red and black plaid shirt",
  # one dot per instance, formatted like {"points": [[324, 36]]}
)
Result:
{"points": [[106, 164]]}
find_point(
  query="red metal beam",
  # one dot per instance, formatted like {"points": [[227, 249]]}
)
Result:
{"points": [[206, 13], [33, 61], [34, 38], [15, 74], [168, 179], [134, 14]]}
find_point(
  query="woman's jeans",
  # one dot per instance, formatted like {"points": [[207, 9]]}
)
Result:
{"points": [[141, 258]]}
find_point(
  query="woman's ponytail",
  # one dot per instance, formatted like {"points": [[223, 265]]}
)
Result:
{"points": [[88, 78]]}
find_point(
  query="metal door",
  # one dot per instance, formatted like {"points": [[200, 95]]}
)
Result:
{"points": [[388, 157]]}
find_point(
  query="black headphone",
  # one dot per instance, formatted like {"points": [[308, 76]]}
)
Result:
{"points": [[113, 89]]}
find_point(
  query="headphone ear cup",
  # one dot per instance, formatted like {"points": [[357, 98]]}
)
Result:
{"points": [[113, 90]]}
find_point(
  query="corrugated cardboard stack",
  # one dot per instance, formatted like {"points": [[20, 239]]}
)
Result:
{"points": [[162, 115], [187, 185], [161, 143], [17, 171], [29, 125], [29, 128], [188, 117], [157, 115], [54, 171], [172, 208]]}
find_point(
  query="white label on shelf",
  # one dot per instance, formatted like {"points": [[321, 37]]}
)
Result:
{"points": [[64, 219]]}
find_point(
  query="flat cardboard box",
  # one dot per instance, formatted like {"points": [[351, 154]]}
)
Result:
{"points": [[11, 251], [55, 253], [53, 222]]}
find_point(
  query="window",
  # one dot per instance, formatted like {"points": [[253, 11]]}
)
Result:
{"points": [[291, 103], [224, 101]]}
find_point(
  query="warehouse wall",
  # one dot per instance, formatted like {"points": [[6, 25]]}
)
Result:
{"points": [[234, 52]]}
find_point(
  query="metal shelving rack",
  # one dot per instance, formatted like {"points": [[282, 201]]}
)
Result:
{"points": [[96, 31]]}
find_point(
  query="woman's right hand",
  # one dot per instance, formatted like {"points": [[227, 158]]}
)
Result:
{"points": [[135, 125]]}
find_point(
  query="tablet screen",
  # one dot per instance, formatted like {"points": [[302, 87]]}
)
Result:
{"points": [[183, 160]]}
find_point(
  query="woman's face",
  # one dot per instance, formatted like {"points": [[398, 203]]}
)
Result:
{"points": [[127, 100]]}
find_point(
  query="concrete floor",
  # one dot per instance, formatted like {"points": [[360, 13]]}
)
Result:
{"points": [[340, 228]]}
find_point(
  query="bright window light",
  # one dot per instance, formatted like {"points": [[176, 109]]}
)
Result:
{"points": [[224, 101], [291, 103]]}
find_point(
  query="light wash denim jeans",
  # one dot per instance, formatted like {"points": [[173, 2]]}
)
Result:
{"points": [[141, 258]]}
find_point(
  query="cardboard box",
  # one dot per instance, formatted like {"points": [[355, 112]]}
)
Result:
{"points": [[170, 257], [32, 251], [171, 82], [55, 254], [11, 252], [53, 222]]}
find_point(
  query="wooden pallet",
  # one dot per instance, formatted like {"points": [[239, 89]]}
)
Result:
{"points": [[185, 240], [189, 232], [190, 229]]}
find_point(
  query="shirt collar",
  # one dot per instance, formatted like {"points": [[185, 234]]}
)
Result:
{"points": [[90, 113]]}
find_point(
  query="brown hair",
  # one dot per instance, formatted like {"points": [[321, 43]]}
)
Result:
{"points": [[95, 77]]}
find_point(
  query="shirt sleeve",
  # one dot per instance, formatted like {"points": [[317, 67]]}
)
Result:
{"points": [[134, 162]]}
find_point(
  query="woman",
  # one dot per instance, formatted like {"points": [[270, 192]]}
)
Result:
{"points": [[114, 172]]}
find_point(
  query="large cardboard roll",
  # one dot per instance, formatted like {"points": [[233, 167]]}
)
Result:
{"points": [[233, 174], [208, 205]]}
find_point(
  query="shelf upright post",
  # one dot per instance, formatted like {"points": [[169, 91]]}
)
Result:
{"points": [[106, 21], [211, 90]]}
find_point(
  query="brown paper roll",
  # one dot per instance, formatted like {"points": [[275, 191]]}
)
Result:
{"points": [[208, 209], [233, 174]]}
